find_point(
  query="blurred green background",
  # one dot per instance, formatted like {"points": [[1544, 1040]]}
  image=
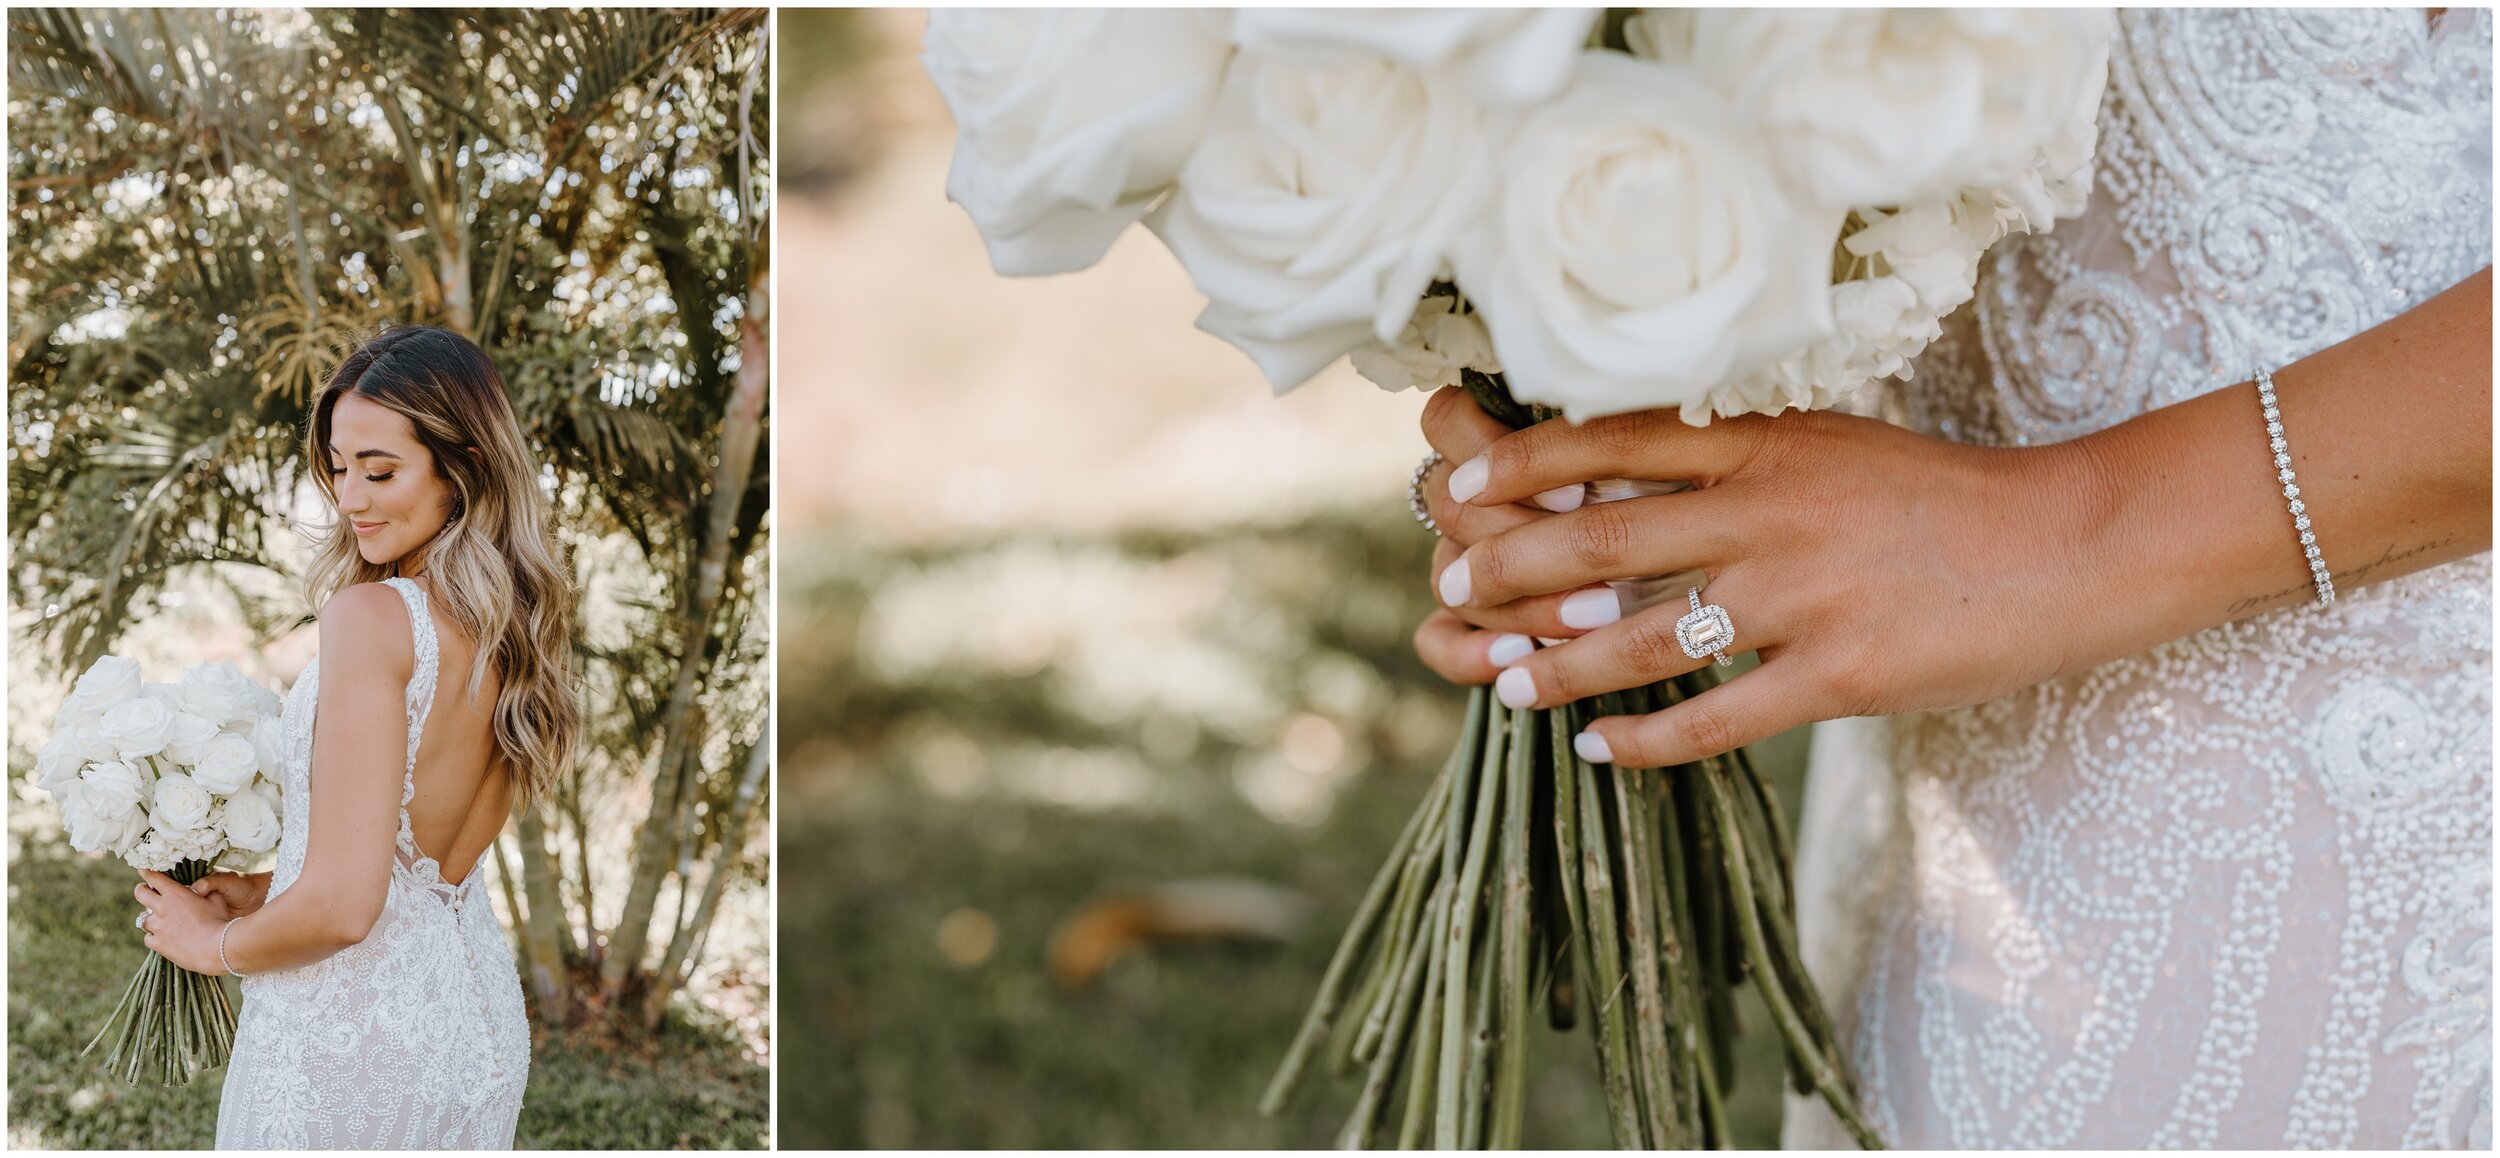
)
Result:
{"points": [[1084, 642]]}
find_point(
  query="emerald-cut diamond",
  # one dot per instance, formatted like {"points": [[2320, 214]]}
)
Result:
{"points": [[1705, 631]]}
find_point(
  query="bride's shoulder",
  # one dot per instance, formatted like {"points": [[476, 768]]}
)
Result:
{"points": [[366, 627]]}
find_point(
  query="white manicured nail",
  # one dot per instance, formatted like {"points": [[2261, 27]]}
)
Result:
{"points": [[1468, 480], [1455, 587], [1516, 688], [1508, 649], [1595, 607], [1564, 498], [1592, 748]]}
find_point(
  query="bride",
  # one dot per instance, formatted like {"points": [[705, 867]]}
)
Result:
{"points": [[381, 1005], [2193, 842]]}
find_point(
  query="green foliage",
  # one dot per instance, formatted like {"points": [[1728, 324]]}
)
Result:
{"points": [[579, 192], [71, 949], [918, 765]]}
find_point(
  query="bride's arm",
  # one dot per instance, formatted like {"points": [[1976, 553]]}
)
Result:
{"points": [[1876, 570], [360, 737]]}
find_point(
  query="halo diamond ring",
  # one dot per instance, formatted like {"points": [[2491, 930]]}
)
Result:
{"points": [[1705, 632]]}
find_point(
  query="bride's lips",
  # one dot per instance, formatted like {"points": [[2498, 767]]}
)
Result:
{"points": [[364, 529]]}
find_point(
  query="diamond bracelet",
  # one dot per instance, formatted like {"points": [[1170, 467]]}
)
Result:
{"points": [[2291, 488]]}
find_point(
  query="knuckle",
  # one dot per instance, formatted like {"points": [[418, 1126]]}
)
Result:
{"points": [[1555, 684], [1623, 437], [1488, 572], [1649, 645], [1705, 727], [1600, 535], [1441, 416]]}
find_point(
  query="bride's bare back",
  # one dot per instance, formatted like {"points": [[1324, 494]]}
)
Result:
{"points": [[463, 792]]}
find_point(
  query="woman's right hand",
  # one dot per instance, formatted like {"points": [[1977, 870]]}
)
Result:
{"points": [[238, 893]]}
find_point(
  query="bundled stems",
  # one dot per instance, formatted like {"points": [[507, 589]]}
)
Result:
{"points": [[170, 1024]]}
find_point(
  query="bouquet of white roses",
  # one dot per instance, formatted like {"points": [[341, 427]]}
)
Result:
{"points": [[1573, 213], [167, 777]]}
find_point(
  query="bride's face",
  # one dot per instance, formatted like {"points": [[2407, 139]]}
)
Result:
{"points": [[388, 491]]}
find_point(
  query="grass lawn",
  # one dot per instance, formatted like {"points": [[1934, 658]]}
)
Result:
{"points": [[956, 755], [71, 949]]}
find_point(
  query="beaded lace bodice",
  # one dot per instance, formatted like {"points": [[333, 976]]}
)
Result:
{"points": [[413, 1038], [2234, 891]]}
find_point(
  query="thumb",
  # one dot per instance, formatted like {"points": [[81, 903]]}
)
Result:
{"points": [[204, 886]]}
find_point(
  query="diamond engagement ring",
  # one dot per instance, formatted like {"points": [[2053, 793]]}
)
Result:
{"points": [[141, 923], [1415, 492], [1705, 632]]}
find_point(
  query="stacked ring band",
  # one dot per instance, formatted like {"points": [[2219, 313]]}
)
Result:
{"points": [[1415, 492]]}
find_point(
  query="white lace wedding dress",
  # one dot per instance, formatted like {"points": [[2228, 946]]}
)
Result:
{"points": [[2234, 891], [415, 1037]]}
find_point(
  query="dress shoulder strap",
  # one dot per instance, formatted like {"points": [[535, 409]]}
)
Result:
{"points": [[420, 682]]}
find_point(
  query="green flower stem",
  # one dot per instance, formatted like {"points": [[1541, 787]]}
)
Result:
{"points": [[1826, 1076], [1608, 984], [1415, 879], [1464, 909], [1424, 1051], [1366, 1117], [1317, 1022], [1642, 952], [1510, 1085]]}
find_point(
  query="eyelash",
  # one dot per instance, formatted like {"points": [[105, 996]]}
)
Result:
{"points": [[336, 471]]}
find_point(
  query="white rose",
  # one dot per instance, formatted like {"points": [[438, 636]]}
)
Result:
{"points": [[114, 789], [220, 693], [181, 803], [1511, 57], [185, 735], [61, 758], [227, 764], [1641, 252], [138, 726], [1437, 343], [250, 823], [106, 682], [269, 744], [1069, 123], [1890, 106], [79, 817], [1322, 202]]}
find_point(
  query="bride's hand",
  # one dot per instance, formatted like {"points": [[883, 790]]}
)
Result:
{"points": [[182, 926], [1872, 569], [236, 893]]}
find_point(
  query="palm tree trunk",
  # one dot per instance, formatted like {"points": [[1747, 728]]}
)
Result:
{"points": [[733, 837], [741, 428], [545, 931]]}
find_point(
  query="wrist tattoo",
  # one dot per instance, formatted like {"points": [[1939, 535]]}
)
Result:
{"points": [[2351, 578]]}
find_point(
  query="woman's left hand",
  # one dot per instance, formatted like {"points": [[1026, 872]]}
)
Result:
{"points": [[1872, 569], [182, 926]]}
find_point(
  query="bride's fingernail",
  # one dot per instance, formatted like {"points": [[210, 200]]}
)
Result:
{"points": [[1595, 607], [1468, 480], [1516, 687], [1454, 584], [1507, 649], [1560, 499], [1592, 748]]}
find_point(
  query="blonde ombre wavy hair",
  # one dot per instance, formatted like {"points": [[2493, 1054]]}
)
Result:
{"points": [[495, 566]]}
